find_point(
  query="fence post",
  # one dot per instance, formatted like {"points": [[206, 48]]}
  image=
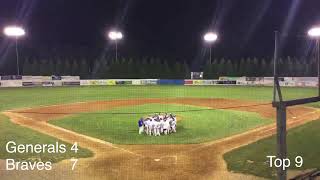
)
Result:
{"points": [[281, 138]]}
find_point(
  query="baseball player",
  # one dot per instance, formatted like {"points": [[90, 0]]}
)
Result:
{"points": [[156, 127], [141, 125], [173, 123], [166, 127], [148, 126], [161, 125], [173, 126]]}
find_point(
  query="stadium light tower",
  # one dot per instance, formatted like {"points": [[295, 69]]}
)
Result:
{"points": [[210, 38], [15, 32], [115, 36], [281, 105], [315, 34]]}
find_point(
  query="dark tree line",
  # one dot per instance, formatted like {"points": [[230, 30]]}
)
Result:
{"points": [[287, 67], [159, 68], [111, 69]]}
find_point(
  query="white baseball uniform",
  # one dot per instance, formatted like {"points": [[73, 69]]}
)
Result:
{"points": [[166, 127]]}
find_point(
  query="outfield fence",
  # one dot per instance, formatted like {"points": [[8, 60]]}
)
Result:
{"points": [[44, 81]]}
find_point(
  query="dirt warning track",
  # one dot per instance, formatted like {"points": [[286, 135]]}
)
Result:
{"points": [[190, 161]]}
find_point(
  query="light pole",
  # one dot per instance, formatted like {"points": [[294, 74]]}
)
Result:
{"points": [[315, 33], [115, 36], [16, 32], [281, 105], [210, 38]]}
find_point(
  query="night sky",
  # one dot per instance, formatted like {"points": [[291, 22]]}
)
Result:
{"points": [[169, 29]]}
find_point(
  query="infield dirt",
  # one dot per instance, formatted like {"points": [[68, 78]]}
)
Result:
{"points": [[112, 161]]}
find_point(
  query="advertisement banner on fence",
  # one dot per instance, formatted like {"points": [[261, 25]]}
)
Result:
{"points": [[225, 78], [200, 82], [46, 78], [36, 78], [208, 82], [171, 82], [111, 82], [31, 84], [311, 84], [149, 81], [287, 83], [11, 77], [188, 82], [47, 83], [119, 82], [305, 79], [123, 82], [93, 82], [102, 82], [136, 82], [30, 78], [11, 83], [268, 81], [84, 82], [129, 82], [71, 83], [57, 83], [97, 82], [226, 82], [253, 81], [197, 82], [70, 78]]}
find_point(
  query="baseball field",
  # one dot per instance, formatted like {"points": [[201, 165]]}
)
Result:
{"points": [[223, 132]]}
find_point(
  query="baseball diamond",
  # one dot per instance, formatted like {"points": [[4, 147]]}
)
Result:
{"points": [[210, 122]]}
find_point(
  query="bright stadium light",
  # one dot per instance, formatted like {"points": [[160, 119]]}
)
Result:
{"points": [[16, 32], [210, 37], [115, 36], [314, 32]]}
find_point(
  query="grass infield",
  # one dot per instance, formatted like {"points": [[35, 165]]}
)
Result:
{"points": [[193, 127], [302, 141]]}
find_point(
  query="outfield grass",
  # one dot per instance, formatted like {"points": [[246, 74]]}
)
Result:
{"points": [[11, 98], [302, 141], [193, 127], [19, 134]]}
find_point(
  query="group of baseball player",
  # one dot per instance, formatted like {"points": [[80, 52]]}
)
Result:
{"points": [[158, 124]]}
